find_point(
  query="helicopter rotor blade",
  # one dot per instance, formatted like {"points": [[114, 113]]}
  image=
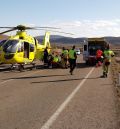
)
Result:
{"points": [[62, 32], [6, 27], [32, 28], [45, 27], [8, 31], [24, 27], [56, 31]]}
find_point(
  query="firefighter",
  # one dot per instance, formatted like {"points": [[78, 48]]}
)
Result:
{"points": [[72, 59], [107, 55]]}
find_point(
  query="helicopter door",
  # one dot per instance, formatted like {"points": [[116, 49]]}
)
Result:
{"points": [[32, 52], [26, 50]]}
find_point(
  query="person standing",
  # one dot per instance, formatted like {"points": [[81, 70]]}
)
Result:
{"points": [[107, 55], [65, 57], [72, 59], [99, 54], [45, 57]]}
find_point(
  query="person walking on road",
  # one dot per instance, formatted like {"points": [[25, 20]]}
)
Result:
{"points": [[99, 54], [72, 59], [65, 57], [107, 54]]}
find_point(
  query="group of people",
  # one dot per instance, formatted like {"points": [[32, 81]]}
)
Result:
{"points": [[50, 59], [69, 57]]}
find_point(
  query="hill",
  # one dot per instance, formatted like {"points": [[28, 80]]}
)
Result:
{"points": [[113, 40], [63, 40], [57, 39]]}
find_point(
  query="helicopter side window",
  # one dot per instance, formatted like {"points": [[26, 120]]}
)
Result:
{"points": [[20, 47], [31, 48]]}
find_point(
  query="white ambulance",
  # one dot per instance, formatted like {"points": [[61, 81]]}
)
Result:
{"points": [[90, 46]]}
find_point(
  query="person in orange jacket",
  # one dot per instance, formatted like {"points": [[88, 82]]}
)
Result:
{"points": [[99, 54]]}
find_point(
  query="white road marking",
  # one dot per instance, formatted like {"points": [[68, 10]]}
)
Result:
{"points": [[18, 76], [65, 103]]}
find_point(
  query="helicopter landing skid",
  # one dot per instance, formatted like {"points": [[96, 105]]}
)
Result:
{"points": [[21, 67]]}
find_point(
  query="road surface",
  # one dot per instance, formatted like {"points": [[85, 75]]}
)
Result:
{"points": [[54, 99]]}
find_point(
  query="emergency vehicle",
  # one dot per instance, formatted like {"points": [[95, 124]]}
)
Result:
{"points": [[90, 46]]}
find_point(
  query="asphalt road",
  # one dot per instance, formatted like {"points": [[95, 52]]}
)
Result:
{"points": [[54, 99]]}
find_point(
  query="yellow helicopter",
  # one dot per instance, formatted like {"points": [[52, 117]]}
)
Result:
{"points": [[22, 48]]}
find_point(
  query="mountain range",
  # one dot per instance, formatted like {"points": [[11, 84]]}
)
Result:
{"points": [[68, 40], [62, 40]]}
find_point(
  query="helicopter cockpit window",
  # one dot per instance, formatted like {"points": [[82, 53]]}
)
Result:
{"points": [[2, 42], [10, 46], [31, 48]]}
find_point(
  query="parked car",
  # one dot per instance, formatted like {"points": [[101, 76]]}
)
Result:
{"points": [[77, 51]]}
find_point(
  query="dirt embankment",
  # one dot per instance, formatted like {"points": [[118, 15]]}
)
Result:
{"points": [[115, 67]]}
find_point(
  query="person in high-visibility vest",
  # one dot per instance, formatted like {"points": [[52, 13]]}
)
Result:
{"points": [[107, 54], [56, 59], [65, 57], [72, 59]]}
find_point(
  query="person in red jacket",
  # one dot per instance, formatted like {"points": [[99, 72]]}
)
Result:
{"points": [[99, 54]]}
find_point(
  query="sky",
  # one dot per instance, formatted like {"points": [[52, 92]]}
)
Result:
{"points": [[83, 18]]}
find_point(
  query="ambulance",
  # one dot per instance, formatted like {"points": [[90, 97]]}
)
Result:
{"points": [[90, 46]]}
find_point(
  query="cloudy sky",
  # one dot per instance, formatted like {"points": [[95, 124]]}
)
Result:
{"points": [[84, 18]]}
